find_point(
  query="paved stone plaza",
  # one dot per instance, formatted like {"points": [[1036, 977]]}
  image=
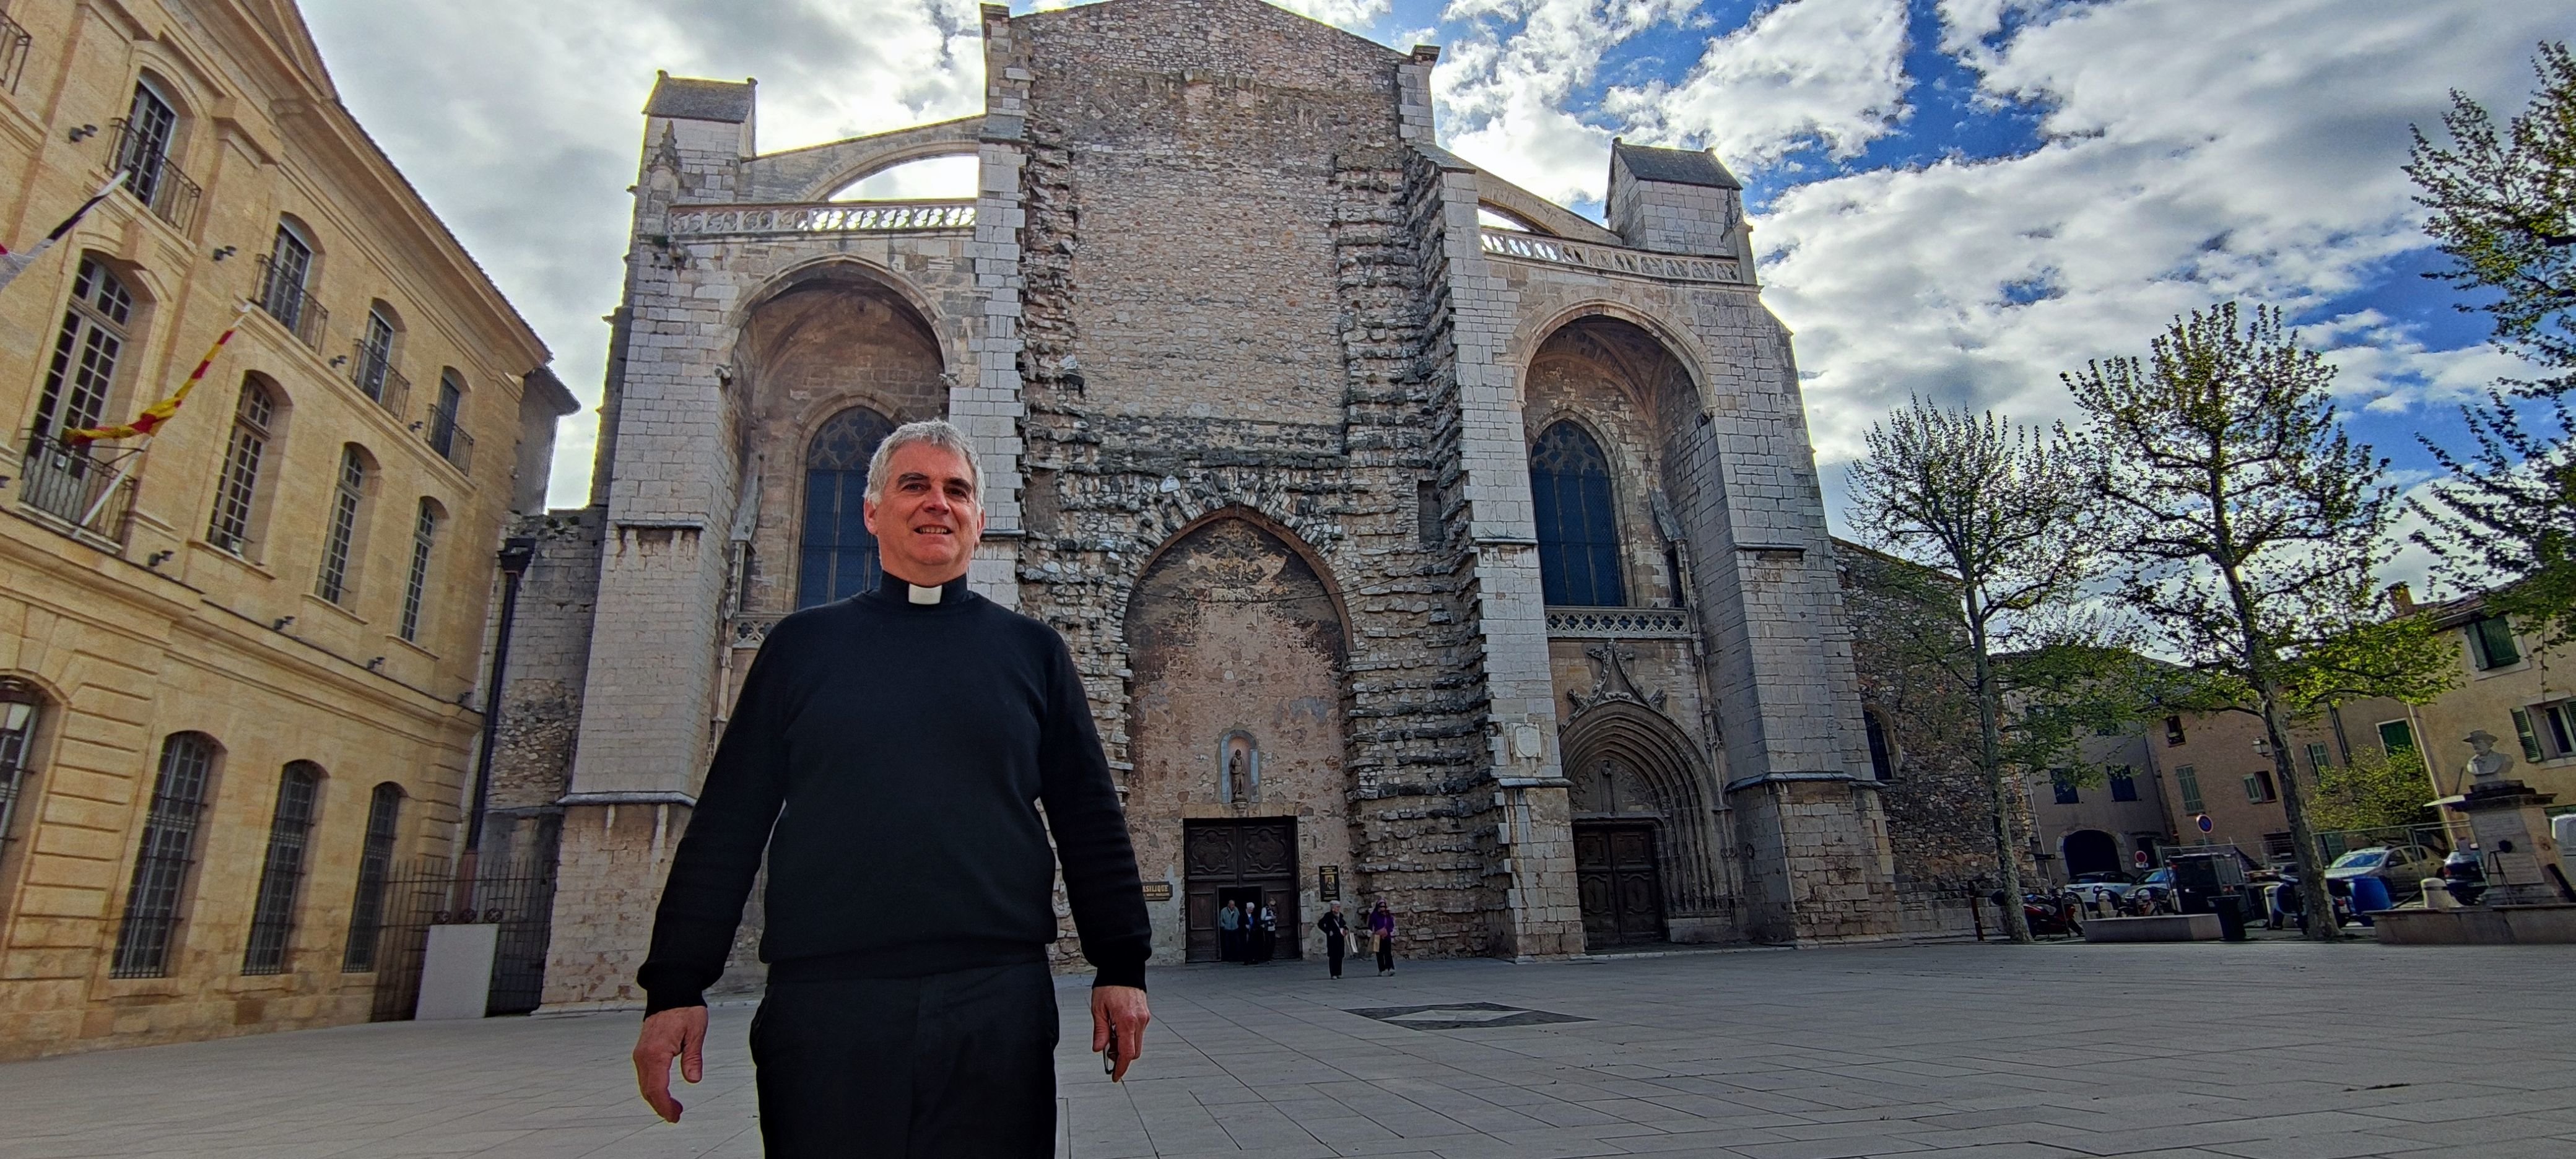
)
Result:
{"points": [[2270, 1050]]}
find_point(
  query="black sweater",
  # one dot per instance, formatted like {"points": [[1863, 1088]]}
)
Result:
{"points": [[900, 751]]}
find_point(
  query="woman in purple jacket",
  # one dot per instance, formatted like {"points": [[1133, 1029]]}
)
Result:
{"points": [[1382, 924]]}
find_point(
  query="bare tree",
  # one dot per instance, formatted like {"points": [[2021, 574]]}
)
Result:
{"points": [[2250, 525], [2006, 510]]}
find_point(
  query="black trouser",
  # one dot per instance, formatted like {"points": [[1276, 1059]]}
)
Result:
{"points": [[1386, 951], [948, 1065], [1333, 953]]}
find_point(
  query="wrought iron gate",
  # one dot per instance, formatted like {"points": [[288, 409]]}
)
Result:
{"points": [[518, 897]]}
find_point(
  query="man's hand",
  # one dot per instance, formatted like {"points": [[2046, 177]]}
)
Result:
{"points": [[681, 1032], [1119, 1006]]}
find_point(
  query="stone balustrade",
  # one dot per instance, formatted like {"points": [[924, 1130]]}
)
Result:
{"points": [[823, 217], [1514, 244], [1618, 624]]}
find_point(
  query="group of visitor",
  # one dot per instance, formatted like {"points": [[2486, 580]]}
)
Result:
{"points": [[1248, 933]]}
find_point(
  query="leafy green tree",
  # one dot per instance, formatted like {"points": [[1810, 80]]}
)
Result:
{"points": [[2504, 212], [2004, 509], [2249, 525], [2503, 205], [2374, 791]]}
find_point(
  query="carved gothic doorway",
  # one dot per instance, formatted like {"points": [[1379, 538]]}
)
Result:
{"points": [[1621, 887], [1240, 861]]}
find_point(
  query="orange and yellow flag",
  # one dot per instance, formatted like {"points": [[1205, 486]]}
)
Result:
{"points": [[157, 413]]}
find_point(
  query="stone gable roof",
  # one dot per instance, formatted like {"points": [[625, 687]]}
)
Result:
{"points": [[1675, 166], [689, 98]]}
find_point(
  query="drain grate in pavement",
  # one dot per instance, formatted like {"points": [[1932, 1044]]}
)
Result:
{"points": [[1463, 1016]]}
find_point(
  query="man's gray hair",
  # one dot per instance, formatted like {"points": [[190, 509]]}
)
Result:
{"points": [[936, 432]]}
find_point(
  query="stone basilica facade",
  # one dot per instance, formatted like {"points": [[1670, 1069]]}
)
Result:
{"points": [[1419, 539]]}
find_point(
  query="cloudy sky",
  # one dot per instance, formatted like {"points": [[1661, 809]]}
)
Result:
{"points": [[1956, 198]]}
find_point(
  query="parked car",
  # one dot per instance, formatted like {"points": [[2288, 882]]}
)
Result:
{"points": [[2102, 890], [2402, 869]]}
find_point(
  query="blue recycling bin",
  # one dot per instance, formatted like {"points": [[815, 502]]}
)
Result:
{"points": [[2368, 894]]}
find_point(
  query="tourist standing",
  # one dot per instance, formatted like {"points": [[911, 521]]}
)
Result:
{"points": [[1269, 932], [1229, 929], [910, 1009], [1382, 929], [1333, 927]]}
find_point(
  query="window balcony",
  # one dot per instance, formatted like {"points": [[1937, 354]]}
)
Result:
{"points": [[285, 298], [86, 487], [374, 375], [13, 52], [448, 438], [151, 178]]}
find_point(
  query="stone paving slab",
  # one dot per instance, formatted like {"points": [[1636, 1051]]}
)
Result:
{"points": [[2267, 1050]]}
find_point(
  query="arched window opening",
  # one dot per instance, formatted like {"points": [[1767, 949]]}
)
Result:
{"points": [[290, 830], [424, 536], [838, 556], [21, 710], [374, 372], [1492, 218], [444, 436], [285, 282], [144, 139], [1882, 754], [168, 850], [253, 415], [928, 179], [64, 481], [348, 496], [375, 867], [1578, 532]]}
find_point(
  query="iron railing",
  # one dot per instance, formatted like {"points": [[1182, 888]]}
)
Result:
{"points": [[87, 487], [372, 371], [13, 52], [447, 437], [152, 178], [286, 298], [519, 897]]}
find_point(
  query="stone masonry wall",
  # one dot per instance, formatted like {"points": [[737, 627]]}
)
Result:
{"points": [[1270, 140]]}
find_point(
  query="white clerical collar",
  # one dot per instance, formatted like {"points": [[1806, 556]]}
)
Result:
{"points": [[923, 595]]}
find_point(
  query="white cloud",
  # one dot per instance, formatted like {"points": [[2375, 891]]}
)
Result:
{"points": [[521, 123], [1504, 83], [1826, 74], [2181, 168]]}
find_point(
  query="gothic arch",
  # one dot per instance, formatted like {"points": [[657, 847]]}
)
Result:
{"points": [[1676, 339], [1287, 536], [1616, 727]]}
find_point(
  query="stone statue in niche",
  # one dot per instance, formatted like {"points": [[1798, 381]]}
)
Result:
{"points": [[1242, 771]]}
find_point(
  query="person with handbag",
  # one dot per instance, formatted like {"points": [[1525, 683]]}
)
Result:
{"points": [[1333, 928], [1382, 930]]}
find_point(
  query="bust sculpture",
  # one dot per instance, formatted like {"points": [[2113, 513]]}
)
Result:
{"points": [[2488, 766]]}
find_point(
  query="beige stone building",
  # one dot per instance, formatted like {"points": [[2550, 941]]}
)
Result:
{"points": [[2523, 695], [238, 663]]}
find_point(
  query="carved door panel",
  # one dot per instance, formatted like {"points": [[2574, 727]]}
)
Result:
{"points": [[1619, 884], [1237, 857]]}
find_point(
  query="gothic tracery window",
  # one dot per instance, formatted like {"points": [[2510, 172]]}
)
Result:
{"points": [[1578, 533], [838, 556]]}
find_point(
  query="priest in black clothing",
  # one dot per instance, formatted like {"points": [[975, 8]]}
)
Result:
{"points": [[890, 752]]}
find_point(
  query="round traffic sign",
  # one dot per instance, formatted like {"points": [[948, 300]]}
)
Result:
{"points": [[2140, 857], [2202, 820]]}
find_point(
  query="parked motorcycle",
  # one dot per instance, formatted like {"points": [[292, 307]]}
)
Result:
{"points": [[2464, 877], [2054, 913]]}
